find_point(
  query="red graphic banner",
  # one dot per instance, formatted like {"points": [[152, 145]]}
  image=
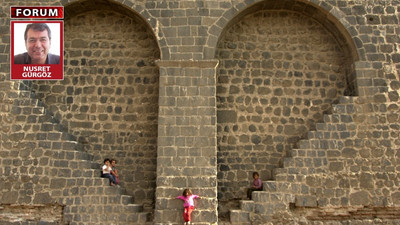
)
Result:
{"points": [[37, 12]]}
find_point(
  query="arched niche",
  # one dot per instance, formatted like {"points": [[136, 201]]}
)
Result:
{"points": [[282, 64], [108, 100]]}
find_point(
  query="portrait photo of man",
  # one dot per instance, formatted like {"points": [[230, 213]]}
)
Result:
{"points": [[38, 40]]}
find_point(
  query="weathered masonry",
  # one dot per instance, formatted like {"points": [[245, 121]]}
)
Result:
{"points": [[200, 94]]}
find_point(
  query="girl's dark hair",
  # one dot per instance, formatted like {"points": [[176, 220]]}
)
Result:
{"points": [[187, 192], [113, 160], [255, 173], [107, 159]]}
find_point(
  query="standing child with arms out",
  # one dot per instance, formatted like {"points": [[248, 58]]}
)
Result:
{"points": [[257, 185], [188, 204]]}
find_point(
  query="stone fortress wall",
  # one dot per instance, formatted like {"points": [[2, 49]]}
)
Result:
{"points": [[200, 94]]}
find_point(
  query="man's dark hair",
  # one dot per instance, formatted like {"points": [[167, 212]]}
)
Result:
{"points": [[107, 159], [37, 27]]}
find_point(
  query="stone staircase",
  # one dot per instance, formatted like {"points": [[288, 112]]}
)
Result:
{"points": [[65, 174], [289, 188]]}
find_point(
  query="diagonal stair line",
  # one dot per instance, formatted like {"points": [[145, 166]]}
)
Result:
{"points": [[289, 188], [74, 179]]}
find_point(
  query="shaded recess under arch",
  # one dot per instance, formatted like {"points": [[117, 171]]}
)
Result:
{"points": [[282, 65], [109, 96]]}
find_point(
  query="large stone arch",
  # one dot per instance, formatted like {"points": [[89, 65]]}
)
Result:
{"points": [[108, 99], [328, 15], [137, 8], [282, 65]]}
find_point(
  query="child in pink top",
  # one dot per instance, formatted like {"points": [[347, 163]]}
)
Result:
{"points": [[188, 204], [257, 185]]}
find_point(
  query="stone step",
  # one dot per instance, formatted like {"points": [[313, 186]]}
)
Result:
{"points": [[90, 196], [282, 187], [78, 175], [290, 171], [85, 164], [296, 174], [48, 118], [246, 205], [305, 146], [239, 217], [50, 126], [73, 164], [192, 223], [26, 102], [347, 99], [112, 202], [72, 145], [289, 177], [132, 208], [115, 216], [138, 218], [336, 119], [344, 108], [225, 223], [277, 172], [128, 200], [339, 131], [31, 133], [34, 131], [109, 191], [312, 159], [13, 93], [26, 94], [263, 199], [39, 118], [306, 201], [28, 110], [87, 173], [272, 198], [68, 155], [105, 212]]}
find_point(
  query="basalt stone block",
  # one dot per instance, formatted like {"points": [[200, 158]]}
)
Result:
{"points": [[226, 116], [42, 198], [58, 183], [234, 90], [306, 201], [10, 197], [336, 166], [393, 96], [79, 43], [396, 58], [359, 198], [255, 139], [396, 198], [366, 181], [349, 153]]}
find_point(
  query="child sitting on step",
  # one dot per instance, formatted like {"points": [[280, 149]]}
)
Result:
{"points": [[114, 170], [257, 185], [106, 172]]}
